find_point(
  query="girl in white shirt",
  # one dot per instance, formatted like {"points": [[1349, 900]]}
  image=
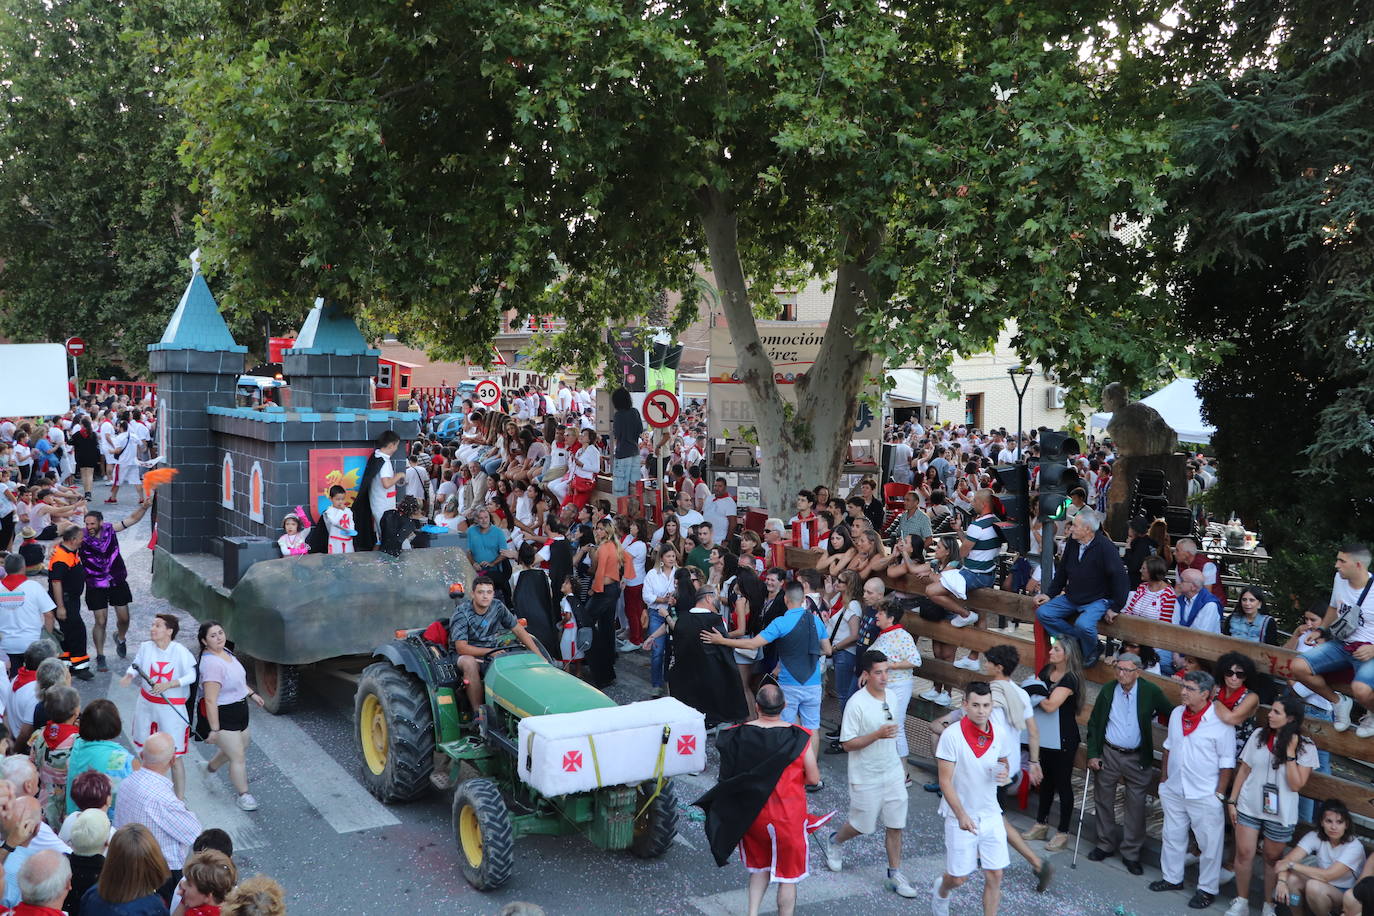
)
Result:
{"points": [[660, 594]]}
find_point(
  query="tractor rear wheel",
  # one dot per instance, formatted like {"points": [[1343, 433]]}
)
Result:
{"points": [[395, 731], [277, 684], [482, 827], [656, 827]]}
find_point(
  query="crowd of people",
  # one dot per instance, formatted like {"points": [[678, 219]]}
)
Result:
{"points": [[726, 619], [736, 630], [88, 826]]}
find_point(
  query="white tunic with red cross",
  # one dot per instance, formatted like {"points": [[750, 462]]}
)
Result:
{"points": [[165, 712]]}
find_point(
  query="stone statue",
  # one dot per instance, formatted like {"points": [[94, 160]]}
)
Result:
{"points": [[1136, 428]]}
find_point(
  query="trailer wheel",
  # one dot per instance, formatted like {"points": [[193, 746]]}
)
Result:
{"points": [[656, 827], [482, 827], [395, 731], [278, 685]]}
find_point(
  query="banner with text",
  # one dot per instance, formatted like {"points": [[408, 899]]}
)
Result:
{"points": [[793, 347]]}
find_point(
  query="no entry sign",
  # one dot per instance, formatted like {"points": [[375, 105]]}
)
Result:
{"points": [[487, 392], [660, 408], [76, 346]]}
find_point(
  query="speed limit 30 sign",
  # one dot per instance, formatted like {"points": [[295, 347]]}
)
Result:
{"points": [[487, 393]]}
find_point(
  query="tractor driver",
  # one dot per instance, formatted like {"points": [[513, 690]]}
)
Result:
{"points": [[480, 627]]}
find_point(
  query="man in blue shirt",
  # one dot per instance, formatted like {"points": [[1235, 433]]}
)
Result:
{"points": [[490, 553], [801, 640]]}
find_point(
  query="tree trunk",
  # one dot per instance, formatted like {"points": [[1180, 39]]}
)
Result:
{"points": [[806, 446]]}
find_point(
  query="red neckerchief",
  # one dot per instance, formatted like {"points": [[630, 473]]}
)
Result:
{"points": [[979, 740], [13, 582], [1272, 736], [1231, 702], [839, 603], [55, 733], [1191, 720], [24, 676], [895, 626]]}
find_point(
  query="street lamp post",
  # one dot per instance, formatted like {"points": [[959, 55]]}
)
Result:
{"points": [[1020, 382]]}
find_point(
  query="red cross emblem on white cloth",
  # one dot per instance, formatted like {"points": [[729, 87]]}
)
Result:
{"points": [[687, 745], [572, 761], [160, 672]]}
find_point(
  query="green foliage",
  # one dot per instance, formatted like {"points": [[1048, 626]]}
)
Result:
{"points": [[95, 219], [1274, 269], [440, 165]]}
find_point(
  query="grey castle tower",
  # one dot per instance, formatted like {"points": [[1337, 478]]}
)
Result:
{"points": [[197, 365]]}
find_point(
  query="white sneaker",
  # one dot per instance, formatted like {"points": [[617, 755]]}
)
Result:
{"points": [[833, 860], [931, 695], [1267, 909], [969, 664], [1366, 727], [967, 620], [625, 646], [898, 882], [938, 905], [1340, 713], [248, 802], [1239, 907], [942, 698]]}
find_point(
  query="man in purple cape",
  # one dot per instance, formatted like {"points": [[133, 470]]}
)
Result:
{"points": [[107, 579]]}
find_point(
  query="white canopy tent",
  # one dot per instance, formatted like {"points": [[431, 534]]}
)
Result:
{"points": [[905, 390], [1178, 403]]}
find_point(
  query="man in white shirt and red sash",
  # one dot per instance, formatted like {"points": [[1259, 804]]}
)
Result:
{"points": [[1199, 757], [974, 757]]}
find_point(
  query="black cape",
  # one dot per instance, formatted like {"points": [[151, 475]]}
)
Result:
{"points": [[363, 521], [396, 530], [317, 538], [704, 676], [560, 564], [534, 602], [752, 761]]}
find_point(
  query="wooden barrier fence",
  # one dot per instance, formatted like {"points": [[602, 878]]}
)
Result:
{"points": [[1270, 660]]}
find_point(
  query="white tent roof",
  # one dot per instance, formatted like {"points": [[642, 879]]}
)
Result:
{"points": [[1179, 405], [906, 389]]}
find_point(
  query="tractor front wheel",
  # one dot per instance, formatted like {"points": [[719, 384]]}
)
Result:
{"points": [[656, 827], [395, 731], [482, 827]]}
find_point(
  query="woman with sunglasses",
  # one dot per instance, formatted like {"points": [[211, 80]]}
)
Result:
{"points": [[1271, 771], [1237, 699]]}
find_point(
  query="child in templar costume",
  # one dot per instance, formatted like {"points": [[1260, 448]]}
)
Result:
{"points": [[338, 518], [162, 704]]}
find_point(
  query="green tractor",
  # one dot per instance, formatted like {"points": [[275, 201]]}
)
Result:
{"points": [[416, 730]]}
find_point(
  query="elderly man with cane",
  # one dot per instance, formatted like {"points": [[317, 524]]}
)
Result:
{"points": [[1199, 757], [1121, 749]]}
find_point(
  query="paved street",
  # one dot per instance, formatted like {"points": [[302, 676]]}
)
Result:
{"points": [[336, 849]]}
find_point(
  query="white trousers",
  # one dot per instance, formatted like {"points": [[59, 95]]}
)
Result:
{"points": [[900, 694], [1205, 818]]}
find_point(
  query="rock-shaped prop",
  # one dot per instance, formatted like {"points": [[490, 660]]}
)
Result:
{"points": [[1136, 428]]}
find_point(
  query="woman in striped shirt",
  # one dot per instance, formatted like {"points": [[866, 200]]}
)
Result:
{"points": [[1154, 598]]}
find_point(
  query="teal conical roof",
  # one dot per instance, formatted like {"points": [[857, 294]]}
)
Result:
{"points": [[197, 323], [330, 329]]}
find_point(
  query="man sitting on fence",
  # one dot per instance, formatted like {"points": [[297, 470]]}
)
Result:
{"points": [[1350, 618], [1088, 581]]}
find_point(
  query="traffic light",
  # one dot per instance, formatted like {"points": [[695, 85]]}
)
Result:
{"points": [[1057, 477], [1015, 498]]}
